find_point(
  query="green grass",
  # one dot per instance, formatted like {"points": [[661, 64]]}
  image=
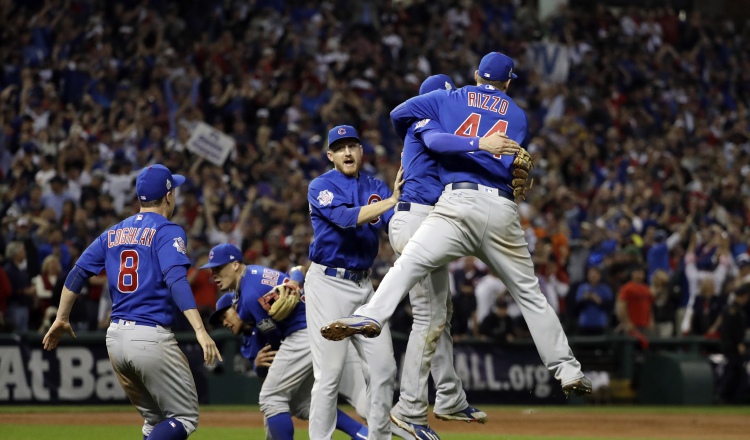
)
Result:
{"points": [[129, 432], [53, 432], [50, 432]]}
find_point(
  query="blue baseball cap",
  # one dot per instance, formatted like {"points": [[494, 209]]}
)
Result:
{"points": [[153, 182], [496, 67], [222, 305], [342, 132], [222, 254], [436, 82]]}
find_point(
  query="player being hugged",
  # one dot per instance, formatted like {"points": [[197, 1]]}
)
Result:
{"points": [[348, 209], [268, 312], [146, 264]]}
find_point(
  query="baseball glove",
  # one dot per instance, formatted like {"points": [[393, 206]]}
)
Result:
{"points": [[522, 164], [282, 307]]}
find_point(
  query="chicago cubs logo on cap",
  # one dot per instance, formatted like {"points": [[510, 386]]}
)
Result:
{"points": [[341, 132], [222, 254]]}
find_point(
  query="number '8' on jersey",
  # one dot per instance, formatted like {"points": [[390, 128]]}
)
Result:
{"points": [[136, 253]]}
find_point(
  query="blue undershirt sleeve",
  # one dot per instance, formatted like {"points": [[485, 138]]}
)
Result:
{"points": [[76, 278], [179, 287], [445, 143]]}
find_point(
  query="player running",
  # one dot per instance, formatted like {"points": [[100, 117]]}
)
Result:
{"points": [[259, 293], [476, 215], [146, 264]]}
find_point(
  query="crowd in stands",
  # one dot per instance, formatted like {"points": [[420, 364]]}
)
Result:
{"points": [[638, 220]]}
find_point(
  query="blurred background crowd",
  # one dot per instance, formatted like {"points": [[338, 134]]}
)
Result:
{"points": [[638, 220]]}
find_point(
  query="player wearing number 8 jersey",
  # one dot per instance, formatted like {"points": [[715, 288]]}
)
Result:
{"points": [[476, 215], [146, 264]]}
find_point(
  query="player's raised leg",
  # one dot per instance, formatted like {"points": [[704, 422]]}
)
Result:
{"points": [[506, 252], [423, 255]]}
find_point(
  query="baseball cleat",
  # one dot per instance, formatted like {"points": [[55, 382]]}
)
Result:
{"points": [[420, 432], [470, 414], [349, 326], [578, 388]]}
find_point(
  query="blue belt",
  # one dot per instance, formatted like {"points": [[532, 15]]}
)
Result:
{"points": [[408, 206], [346, 274], [477, 187], [126, 321]]}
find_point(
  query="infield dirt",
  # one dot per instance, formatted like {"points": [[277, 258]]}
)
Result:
{"points": [[537, 422]]}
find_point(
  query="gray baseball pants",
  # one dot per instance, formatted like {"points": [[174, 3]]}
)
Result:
{"points": [[154, 373], [486, 225], [430, 346]]}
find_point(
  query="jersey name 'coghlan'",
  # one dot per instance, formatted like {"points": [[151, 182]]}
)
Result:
{"points": [[140, 236]]}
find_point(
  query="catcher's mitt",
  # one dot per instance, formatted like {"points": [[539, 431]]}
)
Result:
{"points": [[522, 164], [280, 301]]}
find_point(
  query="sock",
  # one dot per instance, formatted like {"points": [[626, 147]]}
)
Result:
{"points": [[281, 426], [169, 429], [347, 424]]}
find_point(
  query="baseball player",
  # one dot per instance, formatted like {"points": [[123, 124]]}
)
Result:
{"points": [[278, 327], [476, 215], [347, 209], [431, 295], [146, 264]]}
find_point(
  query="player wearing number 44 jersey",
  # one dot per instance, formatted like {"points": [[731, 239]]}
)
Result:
{"points": [[146, 263], [476, 215]]}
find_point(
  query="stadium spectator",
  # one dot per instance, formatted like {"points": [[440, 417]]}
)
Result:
{"points": [[594, 302], [23, 293], [633, 305], [44, 283], [498, 326], [706, 268], [734, 323], [665, 304]]}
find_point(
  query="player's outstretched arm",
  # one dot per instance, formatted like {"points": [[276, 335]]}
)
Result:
{"points": [[62, 323], [375, 210], [210, 351]]}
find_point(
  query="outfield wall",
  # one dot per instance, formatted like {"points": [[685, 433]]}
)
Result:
{"points": [[79, 370]]}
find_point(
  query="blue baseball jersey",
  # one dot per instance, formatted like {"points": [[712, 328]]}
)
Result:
{"points": [[136, 254], [252, 302], [335, 201], [421, 177], [468, 111]]}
